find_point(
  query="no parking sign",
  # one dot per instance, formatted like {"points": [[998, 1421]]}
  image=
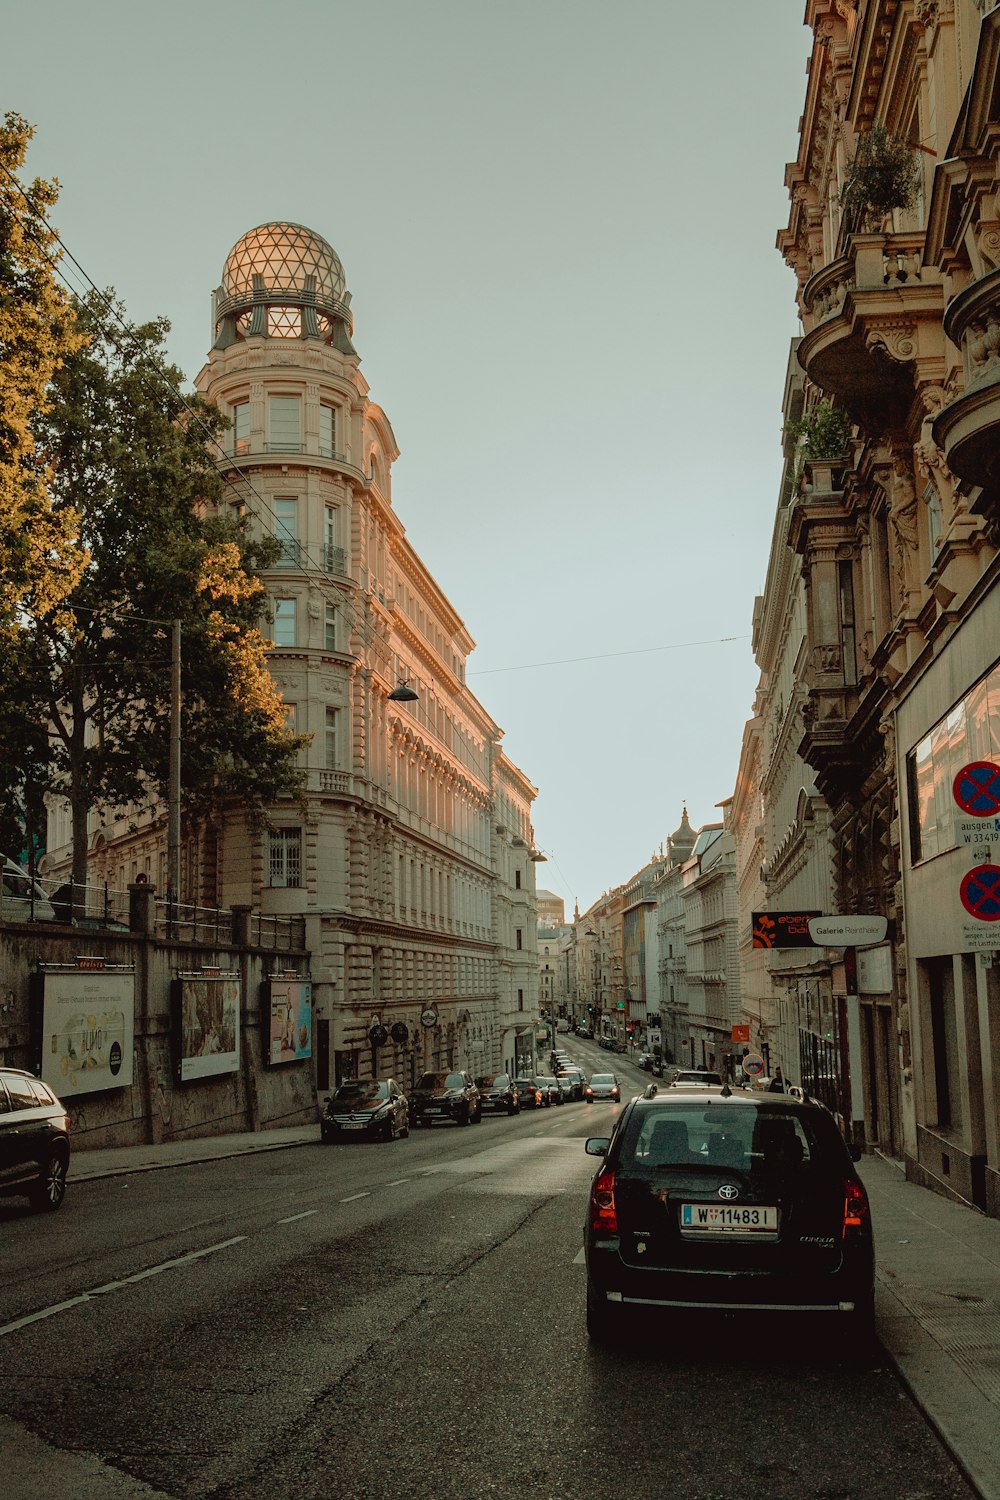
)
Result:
{"points": [[753, 1065]]}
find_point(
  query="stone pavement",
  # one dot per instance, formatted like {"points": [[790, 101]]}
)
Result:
{"points": [[937, 1298]]}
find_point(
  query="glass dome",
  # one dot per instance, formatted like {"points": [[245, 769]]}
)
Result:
{"points": [[283, 255]]}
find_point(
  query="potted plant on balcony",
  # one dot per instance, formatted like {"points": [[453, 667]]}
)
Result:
{"points": [[821, 436], [881, 176]]}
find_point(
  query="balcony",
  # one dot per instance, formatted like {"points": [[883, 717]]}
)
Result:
{"points": [[868, 316], [968, 429]]}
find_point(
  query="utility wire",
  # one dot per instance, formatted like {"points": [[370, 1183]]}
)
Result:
{"points": [[565, 661]]}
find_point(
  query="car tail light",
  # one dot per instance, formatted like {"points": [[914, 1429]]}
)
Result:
{"points": [[603, 1214], [855, 1204]]}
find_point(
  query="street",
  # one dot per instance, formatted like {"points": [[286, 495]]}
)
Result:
{"points": [[405, 1320]]}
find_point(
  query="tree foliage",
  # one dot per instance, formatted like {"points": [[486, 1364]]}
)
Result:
{"points": [[39, 556], [131, 461]]}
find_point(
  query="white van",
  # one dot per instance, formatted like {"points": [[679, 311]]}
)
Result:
{"points": [[21, 898]]}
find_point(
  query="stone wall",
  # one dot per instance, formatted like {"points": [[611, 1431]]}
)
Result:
{"points": [[157, 1105]]}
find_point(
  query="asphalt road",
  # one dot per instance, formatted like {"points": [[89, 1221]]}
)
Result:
{"points": [[367, 1321]]}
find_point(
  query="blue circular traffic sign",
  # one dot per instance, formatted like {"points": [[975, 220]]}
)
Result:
{"points": [[980, 893], [976, 788]]}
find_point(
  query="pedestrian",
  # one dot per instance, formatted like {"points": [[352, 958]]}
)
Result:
{"points": [[777, 1084]]}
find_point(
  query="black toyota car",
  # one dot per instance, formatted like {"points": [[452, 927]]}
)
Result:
{"points": [[730, 1202]]}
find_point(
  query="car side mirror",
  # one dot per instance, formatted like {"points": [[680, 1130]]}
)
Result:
{"points": [[857, 1151], [597, 1145]]}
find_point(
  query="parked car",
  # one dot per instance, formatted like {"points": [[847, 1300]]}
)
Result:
{"points": [[376, 1109], [584, 1031], [645, 1060], [34, 1139], [565, 1085], [445, 1096], [603, 1086], [21, 898], [576, 1080], [530, 1094], [551, 1088], [732, 1201], [498, 1094]]}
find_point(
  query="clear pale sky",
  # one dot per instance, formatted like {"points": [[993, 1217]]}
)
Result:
{"points": [[557, 221]]}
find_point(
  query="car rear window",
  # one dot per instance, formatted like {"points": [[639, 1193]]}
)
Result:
{"points": [[734, 1136]]}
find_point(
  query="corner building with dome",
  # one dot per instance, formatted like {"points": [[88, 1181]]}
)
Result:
{"points": [[412, 862], [412, 856]]}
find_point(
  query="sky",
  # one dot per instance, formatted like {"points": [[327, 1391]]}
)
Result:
{"points": [[557, 221]]}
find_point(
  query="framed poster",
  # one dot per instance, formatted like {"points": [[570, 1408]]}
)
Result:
{"points": [[87, 1030], [288, 1005], [207, 1025]]}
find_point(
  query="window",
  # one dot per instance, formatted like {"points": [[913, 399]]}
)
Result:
{"points": [[518, 937], [286, 509], [520, 999], [517, 880], [330, 740], [327, 431], [241, 427], [333, 556], [330, 628], [283, 629], [284, 424], [285, 857], [845, 580]]}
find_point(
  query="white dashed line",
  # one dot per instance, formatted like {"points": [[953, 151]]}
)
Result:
{"points": [[293, 1218], [354, 1197], [117, 1286], [399, 1182]]}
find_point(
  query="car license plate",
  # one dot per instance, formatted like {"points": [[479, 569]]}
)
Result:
{"points": [[354, 1125], [728, 1218]]}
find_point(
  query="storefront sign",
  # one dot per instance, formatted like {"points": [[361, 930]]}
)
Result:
{"points": [[847, 932], [782, 929]]}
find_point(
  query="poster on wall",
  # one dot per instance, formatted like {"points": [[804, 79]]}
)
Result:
{"points": [[87, 1030], [208, 1024], [288, 1003]]}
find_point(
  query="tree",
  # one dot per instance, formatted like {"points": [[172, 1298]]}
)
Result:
{"points": [[132, 461], [39, 557]]}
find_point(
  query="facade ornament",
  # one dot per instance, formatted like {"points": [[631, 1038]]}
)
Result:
{"points": [[897, 340], [930, 460], [903, 517], [988, 241]]}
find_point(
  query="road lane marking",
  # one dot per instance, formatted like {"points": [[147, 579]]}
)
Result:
{"points": [[293, 1218], [579, 1258], [354, 1198], [399, 1182], [116, 1286]]}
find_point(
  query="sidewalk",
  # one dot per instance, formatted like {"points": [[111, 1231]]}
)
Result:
{"points": [[937, 1298], [937, 1305]]}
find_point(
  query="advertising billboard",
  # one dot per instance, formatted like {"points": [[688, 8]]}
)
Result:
{"points": [[207, 1020], [87, 1028], [288, 1003]]}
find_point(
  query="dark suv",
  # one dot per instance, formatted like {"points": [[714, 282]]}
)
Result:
{"points": [[445, 1096], [727, 1201], [498, 1095], [34, 1139]]}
